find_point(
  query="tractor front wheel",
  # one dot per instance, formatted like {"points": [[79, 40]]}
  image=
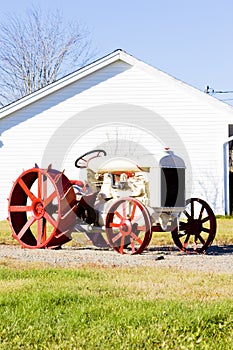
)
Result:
{"points": [[128, 226], [196, 227]]}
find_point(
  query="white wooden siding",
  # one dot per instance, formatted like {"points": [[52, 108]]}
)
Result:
{"points": [[79, 112]]}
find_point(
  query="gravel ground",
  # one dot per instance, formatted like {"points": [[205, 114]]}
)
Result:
{"points": [[218, 259]]}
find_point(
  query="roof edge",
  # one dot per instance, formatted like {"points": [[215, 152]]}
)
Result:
{"points": [[82, 72], [100, 63]]}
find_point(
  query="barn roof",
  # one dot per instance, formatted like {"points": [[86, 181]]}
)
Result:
{"points": [[97, 65]]}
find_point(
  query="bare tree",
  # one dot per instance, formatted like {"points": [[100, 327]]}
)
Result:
{"points": [[38, 49]]}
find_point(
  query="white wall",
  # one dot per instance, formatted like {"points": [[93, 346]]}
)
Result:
{"points": [[119, 102]]}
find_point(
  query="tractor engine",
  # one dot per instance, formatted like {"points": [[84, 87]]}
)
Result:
{"points": [[106, 187], [119, 185], [159, 185]]}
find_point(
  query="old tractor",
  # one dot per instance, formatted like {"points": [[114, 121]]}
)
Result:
{"points": [[119, 205]]}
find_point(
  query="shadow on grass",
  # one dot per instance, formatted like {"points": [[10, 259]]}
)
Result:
{"points": [[220, 250], [213, 250]]}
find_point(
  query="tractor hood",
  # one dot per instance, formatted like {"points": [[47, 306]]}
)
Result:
{"points": [[111, 164]]}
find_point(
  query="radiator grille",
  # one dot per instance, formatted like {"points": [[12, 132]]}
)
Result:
{"points": [[172, 187]]}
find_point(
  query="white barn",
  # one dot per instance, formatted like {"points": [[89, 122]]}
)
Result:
{"points": [[127, 107]]}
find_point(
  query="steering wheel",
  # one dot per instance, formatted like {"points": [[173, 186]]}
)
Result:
{"points": [[82, 162]]}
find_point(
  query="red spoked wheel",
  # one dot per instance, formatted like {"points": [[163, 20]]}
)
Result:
{"points": [[196, 227], [41, 208], [128, 226]]}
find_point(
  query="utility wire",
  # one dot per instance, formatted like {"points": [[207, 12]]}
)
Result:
{"points": [[209, 90], [222, 92]]}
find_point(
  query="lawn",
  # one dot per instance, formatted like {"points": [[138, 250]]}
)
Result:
{"points": [[115, 308], [224, 234]]}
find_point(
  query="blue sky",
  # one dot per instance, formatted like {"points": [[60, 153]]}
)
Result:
{"points": [[191, 40]]}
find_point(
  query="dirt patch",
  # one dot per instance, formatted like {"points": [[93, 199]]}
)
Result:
{"points": [[217, 259]]}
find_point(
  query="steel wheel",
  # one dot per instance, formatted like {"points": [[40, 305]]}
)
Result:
{"points": [[128, 226], [196, 227], [41, 208]]}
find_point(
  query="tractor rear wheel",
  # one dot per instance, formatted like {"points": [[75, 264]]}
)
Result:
{"points": [[41, 208]]}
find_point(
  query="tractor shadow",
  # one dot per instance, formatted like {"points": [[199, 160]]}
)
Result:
{"points": [[220, 250], [164, 250], [213, 250]]}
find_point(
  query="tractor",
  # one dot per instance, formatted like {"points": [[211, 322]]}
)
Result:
{"points": [[120, 204]]}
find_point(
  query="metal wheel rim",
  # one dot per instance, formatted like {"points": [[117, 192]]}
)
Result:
{"points": [[124, 233], [31, 209], [197, 232]]}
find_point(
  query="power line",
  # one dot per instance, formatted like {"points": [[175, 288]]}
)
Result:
{"points": [[227, 99], [210, 90]]}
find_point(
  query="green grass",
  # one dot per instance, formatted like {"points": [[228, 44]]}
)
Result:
{"points": [[224, 235], [113, 308], [5, 233]]}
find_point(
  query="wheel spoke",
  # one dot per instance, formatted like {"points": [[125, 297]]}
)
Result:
{"points": [[207, 218], [44, 230], [118, 214], [39, 185], [187, 214], [201, 239], [50, 198], [39, 231], [20, 208], [133, 211], [187, 239], [201, 212], [207, 230], [118, 236], [132, 245], [26, 226], [50, 220], [122, 245], [113, 224], [41, 227], [136, 238], [45, 187], [141, 228], [26, 189]]}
